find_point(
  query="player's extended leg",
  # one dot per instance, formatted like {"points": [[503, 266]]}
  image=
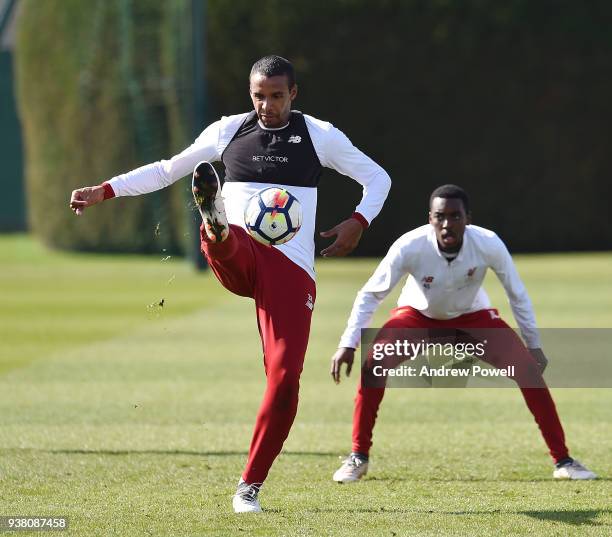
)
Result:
{"points": [[370, 393], [284, 297], [250, 269], [539, 400], [506, 349]]}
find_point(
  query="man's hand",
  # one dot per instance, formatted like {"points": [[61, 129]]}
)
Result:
{"points": [[86, 197], [347, 235], [344, 355], [538, 355]]}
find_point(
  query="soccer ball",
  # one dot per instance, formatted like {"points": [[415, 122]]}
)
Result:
{"points": [[273, 216]]}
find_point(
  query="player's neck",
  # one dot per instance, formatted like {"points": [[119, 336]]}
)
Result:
{"points": [[272, 128], [450, 254], [451, 251]]}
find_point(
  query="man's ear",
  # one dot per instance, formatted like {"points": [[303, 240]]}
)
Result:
{"points": [[293, 92], [429, 217], [468, 219]]}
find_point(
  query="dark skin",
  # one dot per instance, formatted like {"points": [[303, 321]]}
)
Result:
{"points": [[449, 219], [272, 98]]}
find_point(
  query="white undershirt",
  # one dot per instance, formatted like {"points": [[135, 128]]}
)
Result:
{"points": [[271, 128], [439, 289]]}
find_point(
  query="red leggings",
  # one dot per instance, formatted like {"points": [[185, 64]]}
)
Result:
{"points": [[538, 398], [284, 297]]}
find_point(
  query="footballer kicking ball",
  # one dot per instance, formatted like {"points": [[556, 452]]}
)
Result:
{"points": [[273, 216]]}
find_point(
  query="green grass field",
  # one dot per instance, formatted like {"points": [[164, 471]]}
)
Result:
{"points": [[136, 421]]}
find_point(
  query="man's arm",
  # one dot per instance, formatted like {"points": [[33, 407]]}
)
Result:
{"points": [[336, 151], [344, 355], [522, 309], [153, 176], [390, 270]]}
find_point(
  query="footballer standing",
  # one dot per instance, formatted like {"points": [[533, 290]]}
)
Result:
{"points": [[271, 146], [446, 261]]}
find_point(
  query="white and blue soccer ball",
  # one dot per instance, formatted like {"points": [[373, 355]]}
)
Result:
{"points": [[273, 216]]}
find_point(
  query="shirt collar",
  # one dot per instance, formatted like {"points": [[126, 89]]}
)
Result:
{"points": [[272, 128], [460, 253]]}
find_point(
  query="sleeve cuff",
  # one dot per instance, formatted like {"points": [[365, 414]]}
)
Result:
{"points": [[350, 341], [108, 191], [361, 219]]}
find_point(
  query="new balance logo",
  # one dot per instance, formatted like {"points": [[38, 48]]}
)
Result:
{"points": [[310, 302], [294, 139], [426, 281]]}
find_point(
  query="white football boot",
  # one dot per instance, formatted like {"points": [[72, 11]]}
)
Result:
{"points": [[245, 500], [206, 189], [353, 469], [573, 470]]}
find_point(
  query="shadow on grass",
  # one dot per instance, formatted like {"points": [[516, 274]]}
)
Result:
{"points": [[479, 479], [575, 518]]}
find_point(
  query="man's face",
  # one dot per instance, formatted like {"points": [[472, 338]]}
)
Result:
{"points": [[272, 99], [448, 217]]}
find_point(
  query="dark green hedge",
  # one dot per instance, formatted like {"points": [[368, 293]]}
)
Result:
{"points": [[509, 99]]}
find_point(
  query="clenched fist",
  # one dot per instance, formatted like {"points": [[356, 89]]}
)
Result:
{"points": [[86, 197]]}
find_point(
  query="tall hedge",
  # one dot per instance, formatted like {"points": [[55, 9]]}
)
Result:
{"points": [[509, 99], [95, 102]]}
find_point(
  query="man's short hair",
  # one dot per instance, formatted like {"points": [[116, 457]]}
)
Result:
{"points": [[274, 65], [451, 192]]}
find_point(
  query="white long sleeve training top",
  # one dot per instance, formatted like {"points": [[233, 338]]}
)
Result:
{"points": [[439, 289], [332, 147]]}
